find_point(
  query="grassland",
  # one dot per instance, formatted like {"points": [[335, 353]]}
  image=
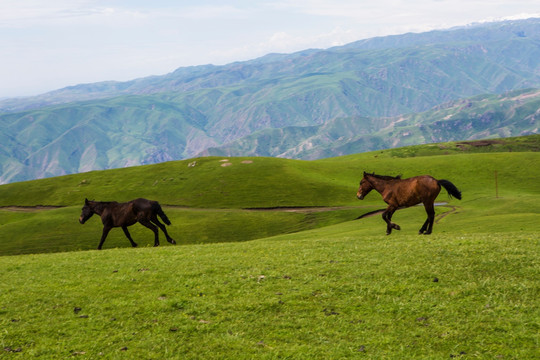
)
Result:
{"points": [[331, 293], [313, 285], [209, 202]]}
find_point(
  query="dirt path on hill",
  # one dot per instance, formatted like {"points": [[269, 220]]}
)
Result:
{"points": [[291, 209], [437, 217], [303, 210], [298, 209], [29, 208]]}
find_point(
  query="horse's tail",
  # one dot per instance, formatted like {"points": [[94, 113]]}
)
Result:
{"points": [[451, 188], [158, 210]]}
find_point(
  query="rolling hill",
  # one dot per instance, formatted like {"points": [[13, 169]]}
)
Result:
{"points": [[322, 286], [311, 96], [213, 199]]}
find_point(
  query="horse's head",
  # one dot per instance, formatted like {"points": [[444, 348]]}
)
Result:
{"points": [[365, 187], [87, 212]]}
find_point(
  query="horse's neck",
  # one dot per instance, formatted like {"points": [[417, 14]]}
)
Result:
{"points": [[98, 207], [379, 184]]}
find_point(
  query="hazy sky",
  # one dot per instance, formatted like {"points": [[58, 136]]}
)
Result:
{"points": [[49, 44]]}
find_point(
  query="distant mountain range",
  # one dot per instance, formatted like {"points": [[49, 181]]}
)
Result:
{"points": [[485, 116], [457, 84]]}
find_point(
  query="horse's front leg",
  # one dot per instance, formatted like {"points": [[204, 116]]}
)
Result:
{"points": [[388, 226], [104, 234], [387, 216], [126, 232]]}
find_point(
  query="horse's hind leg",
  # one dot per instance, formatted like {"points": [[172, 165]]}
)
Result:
{"points": [[152, 227], [129, 236], [424, 227], [430, 210], [155, 220]]}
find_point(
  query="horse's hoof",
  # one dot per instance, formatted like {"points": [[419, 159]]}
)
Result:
{"points": [[134, 245], [172, 242]]}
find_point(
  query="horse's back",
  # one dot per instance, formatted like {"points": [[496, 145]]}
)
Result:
{"points": [[142, 203], [428, 186], [144, 207], [425, 178], [428, 180], [414, 190], [420, 181], [425, 182]]}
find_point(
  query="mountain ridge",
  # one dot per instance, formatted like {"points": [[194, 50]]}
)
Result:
{"points": [[492, 31], [186, 112], [486, 116]]}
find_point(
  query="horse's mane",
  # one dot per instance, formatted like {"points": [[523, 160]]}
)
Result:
{"points": [[385, 177], [103, 202]]}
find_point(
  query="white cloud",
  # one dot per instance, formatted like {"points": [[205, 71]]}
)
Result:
{"points": [[15, 13], [55, 43], [284, 42], [412, 13], [207, 12]]}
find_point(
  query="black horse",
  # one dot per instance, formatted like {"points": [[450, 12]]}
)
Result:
{"points": [[122, 215], [400, 193]]}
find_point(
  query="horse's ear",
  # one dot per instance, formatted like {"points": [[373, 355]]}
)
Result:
{"points": [[86, 201], [365, 173]]}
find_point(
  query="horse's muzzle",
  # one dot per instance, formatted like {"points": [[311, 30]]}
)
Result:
{"points": [[81, 220], [360, 196]]}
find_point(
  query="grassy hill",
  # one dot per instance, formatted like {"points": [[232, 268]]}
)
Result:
{"points": [[346, 290], [236, 199]]}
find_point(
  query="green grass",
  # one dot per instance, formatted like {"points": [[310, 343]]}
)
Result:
{"points": [[209, 203], [271, 182], [327, 293], [308, 285], [59, 230]]}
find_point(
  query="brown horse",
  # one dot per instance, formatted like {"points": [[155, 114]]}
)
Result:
{"points": [[399, 193], [122, 215]]}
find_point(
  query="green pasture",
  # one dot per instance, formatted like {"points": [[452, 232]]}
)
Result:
{"points": [[58, 230], [215, 182], [333, 293], [251, 198], [272, 262]]}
